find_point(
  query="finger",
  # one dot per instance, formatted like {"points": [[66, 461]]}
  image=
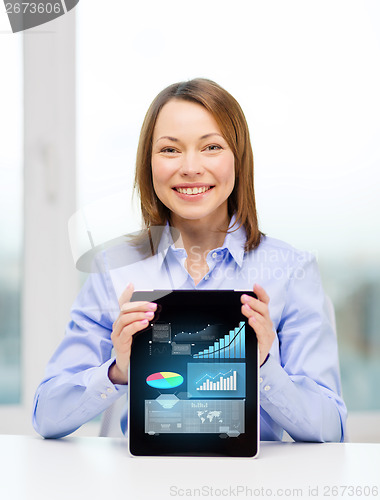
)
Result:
{"points": [[255, 317], [128, 331], [255, 304], [261, 293], [252, 323], [126, 296], [264, 336], [138, 306], [124, 320], [246, 310]]}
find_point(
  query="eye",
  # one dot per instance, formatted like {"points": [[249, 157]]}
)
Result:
{"points": [[169, 150], [213, 147]]}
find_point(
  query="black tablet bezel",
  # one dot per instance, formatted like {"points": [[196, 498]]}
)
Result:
{"points": [[211, 445]]}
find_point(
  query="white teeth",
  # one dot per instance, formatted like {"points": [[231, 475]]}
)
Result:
{"points": [[193, 190]]}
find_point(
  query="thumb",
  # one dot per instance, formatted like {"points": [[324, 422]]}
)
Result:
{"points": [[126, 295]]}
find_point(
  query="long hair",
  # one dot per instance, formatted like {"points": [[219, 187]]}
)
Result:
{"points": [[233, 125]]}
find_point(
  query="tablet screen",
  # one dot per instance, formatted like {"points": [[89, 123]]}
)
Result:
{"points": [[193, 377]]}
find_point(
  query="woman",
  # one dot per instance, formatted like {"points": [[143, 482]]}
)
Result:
{"points": [[194, 174]]}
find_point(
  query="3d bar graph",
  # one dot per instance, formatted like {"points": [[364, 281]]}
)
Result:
{"points": [[232, 345]]}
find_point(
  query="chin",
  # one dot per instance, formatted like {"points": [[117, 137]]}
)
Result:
{"points": [[197, 215]]}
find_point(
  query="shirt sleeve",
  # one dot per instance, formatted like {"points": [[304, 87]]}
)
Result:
{"points": [[302, 391], [76, 386]]}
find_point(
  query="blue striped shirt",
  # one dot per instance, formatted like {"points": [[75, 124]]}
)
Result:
{"points": [[300, 390]]}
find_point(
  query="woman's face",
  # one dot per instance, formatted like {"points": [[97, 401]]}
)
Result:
{"points": [[192, 164]]}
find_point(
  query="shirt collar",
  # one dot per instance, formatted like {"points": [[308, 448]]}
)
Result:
{"points": [[166, 241], [234, 242]]}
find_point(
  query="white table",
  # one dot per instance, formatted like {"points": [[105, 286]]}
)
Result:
{"points": [[76, 468]]}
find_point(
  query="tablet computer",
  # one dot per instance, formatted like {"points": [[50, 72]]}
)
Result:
{"points": [[193, 377]]}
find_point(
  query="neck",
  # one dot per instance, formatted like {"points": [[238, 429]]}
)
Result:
{"points": [[198, 237]]}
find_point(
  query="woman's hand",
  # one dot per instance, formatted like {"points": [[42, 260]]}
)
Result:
{"points": [[257, 312], [133, 317]]}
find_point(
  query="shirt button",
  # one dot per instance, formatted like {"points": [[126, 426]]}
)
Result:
{"points": [[207, 277], [267, 388], [109, 390], [103, 396], [261, 379], [214, 255]]}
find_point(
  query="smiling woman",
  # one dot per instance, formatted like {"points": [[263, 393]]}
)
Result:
{"points": [[194, 172], [199, 130], [194, 179], [200, 169]]}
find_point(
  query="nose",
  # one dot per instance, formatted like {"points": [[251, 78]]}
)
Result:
{"points": [[191, 165]]}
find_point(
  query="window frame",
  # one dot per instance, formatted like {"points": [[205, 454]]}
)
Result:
{"points": [[49, 278]]}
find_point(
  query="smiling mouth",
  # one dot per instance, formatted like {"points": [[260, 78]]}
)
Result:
{"points": [[195, 190]]}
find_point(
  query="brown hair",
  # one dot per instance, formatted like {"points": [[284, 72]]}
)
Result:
{"points": [[233, 125]]}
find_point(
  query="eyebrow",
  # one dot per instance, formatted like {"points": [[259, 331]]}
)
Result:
{"points": [[174, 139]]}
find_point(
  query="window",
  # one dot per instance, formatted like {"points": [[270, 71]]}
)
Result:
{"points": [[37, 197], [310, 93], [11, 220]]}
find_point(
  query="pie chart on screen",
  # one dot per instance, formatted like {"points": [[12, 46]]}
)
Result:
{"points": [[164, 380]]}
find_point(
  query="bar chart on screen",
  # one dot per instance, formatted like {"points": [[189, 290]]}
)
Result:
{"points": [[216, 379], [221, 382], [232, 345]]}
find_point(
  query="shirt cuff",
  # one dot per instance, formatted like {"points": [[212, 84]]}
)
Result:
{"points": [[101, 386], [272, 378]]}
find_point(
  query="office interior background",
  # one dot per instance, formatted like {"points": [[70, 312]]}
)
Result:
{"points": [[73, 97]]}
